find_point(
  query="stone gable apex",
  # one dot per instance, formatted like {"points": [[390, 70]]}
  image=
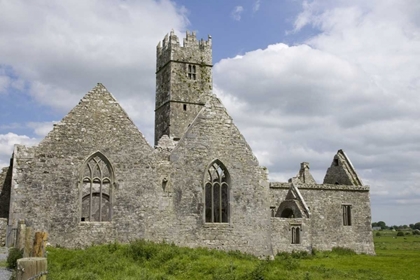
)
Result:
{"points": [[214, 112], [341, 171], [97, 112]]}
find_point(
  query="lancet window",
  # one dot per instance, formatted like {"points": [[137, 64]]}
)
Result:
{"points": [[216, 190], [346, 214], [295, 234], [96, 188]]}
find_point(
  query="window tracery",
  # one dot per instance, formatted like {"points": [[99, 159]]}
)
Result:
{"points": [[97, 182], [216, 191]]}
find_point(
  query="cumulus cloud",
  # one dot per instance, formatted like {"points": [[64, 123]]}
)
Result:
{"points": [[41, 129], [237, 13], [354, 85], [7, 142], [60, 50]]}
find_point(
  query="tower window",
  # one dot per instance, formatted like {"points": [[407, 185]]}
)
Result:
{"points": [[346, 215], [185, 107], [192, 72]]}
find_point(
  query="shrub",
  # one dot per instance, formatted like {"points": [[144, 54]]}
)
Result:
{"points": [[378, 234], [14, 255], [314, 251], [416, 232], [300, 255], [400, 233], [341, 251]]}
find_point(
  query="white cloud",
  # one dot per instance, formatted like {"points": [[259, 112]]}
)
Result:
{"points": [[7, 142], [257, 6], [352, 86], [237, 13], [62, 49], [58, 51], [41, 129]]}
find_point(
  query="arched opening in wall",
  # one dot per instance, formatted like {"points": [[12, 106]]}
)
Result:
{"points": [[287, 213], [296, 235], [216, 194], [96, 189]]}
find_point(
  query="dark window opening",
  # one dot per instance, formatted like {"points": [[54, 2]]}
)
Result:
{"points": [[164, 182], [346, 215], [185, 107], [192, 75], [216, 192], [296, 235], [336, 162], [287, 213]]}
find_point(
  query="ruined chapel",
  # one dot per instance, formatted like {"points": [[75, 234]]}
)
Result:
{"points": [[95, 179]]}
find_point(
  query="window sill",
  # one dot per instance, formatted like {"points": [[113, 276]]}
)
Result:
{"points": [[94, 223], [217, 225]]}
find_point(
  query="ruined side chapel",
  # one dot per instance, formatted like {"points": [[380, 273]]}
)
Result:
{"points": [[95, 179]]}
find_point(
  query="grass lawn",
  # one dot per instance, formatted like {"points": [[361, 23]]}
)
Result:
{"points": [[397, 258]]}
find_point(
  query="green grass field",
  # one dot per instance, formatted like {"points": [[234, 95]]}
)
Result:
{"points": [[397, 258]]}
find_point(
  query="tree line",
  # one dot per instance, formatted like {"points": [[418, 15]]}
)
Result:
{"points": [[383, 225]]}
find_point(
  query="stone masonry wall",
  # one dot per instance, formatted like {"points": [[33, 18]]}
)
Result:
{"points": [[5, 184], [281, 235], [46, 180], [181, 93], [214, 136], [326, 220], [3, 231]]}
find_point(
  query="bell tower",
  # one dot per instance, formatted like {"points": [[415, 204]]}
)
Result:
{"points": [[183, 80]]}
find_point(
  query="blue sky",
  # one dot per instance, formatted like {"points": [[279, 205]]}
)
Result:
{"points": [[301, 79]]}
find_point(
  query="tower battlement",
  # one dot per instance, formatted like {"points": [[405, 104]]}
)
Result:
{"points": [[183, 82], [191, 50]]}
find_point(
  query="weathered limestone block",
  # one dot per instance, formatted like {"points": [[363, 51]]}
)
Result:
{"points": [[28, 268], [3, 231]]}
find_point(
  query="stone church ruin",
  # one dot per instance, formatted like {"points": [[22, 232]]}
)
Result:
{"points": [[95, 179]]}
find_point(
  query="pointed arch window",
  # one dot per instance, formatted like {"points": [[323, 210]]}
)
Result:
{"points": [[216, 191], [96, 190]]}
